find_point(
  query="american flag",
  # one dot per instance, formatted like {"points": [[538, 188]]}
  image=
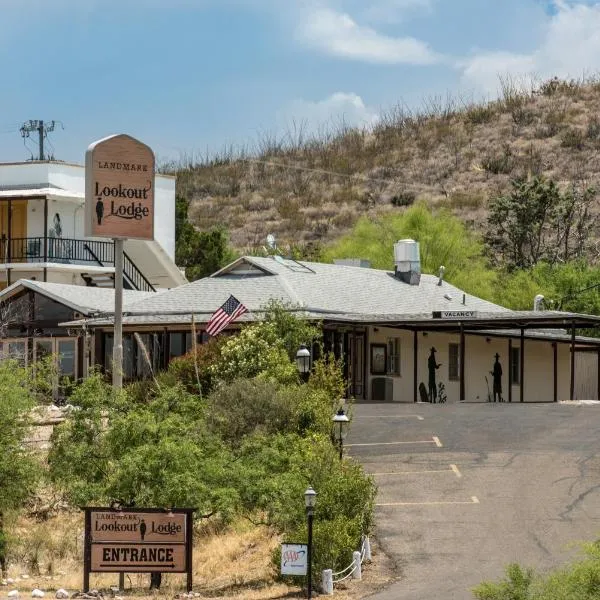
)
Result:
{"points": [[227, 313]]}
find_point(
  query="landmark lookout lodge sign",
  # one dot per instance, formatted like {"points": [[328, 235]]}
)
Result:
{"points": [[138, 540], [119, 194]]}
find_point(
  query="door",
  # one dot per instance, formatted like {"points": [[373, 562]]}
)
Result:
{"points": [[356, 365], [13, 227]]}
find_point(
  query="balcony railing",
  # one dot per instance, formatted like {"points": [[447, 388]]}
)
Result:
{"points": [[71, 251]]}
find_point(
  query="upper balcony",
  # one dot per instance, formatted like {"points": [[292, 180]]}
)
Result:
{"points": [[25, 253]]}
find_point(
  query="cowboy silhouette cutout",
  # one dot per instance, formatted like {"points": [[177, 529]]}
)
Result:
{"points": [[143, 529], [99, 211], [496, 374], [432, 366]]}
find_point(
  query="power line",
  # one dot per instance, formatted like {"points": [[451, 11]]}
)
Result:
{"points": [[42, 129]]}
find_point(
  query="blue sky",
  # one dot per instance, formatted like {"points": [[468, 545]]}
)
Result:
{"points": [[191, 76]]}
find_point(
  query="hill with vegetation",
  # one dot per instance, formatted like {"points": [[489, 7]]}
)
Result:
{"points": [[454, 154]]}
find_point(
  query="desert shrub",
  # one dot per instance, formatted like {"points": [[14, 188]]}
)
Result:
{"points": [[573, 138], [516, 586], [480, 114], [499, 163], [593, 128], [466, 200], [403, 198]]}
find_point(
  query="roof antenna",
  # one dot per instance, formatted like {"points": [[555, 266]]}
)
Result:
{"points": [[442, 271]]}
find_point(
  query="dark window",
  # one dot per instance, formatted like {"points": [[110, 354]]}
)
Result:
{"points": [[515, 365], [453, 362]]}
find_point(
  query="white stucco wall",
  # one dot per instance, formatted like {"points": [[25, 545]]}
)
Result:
{"points": [[479, 361]]}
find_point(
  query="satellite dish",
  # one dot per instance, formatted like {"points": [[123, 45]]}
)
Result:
{"points": [[271, 241]]}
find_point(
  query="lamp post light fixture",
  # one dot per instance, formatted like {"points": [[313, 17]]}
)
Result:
{"points": [[303, 362], [310, 499], [340, 429]]}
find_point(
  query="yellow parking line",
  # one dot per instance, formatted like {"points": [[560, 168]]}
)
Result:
{"points": [[414, 472], [392, 443], [473, 500], [456, 471], [419, 417], [437, 442]]}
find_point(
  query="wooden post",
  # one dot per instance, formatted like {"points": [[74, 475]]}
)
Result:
{"points": [[522, 368], [461, 361], [415, 365], [190, 542], [555, 369], [572, 388], [87, 550], [510, 379]]}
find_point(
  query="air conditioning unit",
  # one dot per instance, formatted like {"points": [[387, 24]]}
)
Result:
{"points": [[382, 389]]}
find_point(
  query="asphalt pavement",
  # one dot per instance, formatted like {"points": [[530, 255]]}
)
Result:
{"points": [[465, 489]]}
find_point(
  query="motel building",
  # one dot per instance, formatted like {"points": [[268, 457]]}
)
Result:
{"points": [[49, 268], [384, 324]]}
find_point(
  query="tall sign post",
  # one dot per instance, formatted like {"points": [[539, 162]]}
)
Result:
{"points": [[119, 204]]}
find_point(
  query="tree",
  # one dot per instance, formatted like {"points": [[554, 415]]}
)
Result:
{"points": [[201, 253], [537, 222], [19, 468], [444, 240]]}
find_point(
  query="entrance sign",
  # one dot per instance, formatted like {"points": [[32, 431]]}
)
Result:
{"points": [[454, 314], [294, 559], [138, 540], [119, 189]]}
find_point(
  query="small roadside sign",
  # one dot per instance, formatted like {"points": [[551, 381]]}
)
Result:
{"points": [[294, 559]]}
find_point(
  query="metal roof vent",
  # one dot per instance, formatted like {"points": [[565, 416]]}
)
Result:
{"points": [[407, 261], [442, 271], [538, 302]]}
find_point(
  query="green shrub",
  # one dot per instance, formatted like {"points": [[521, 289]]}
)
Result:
{"points": [[404, 198]]}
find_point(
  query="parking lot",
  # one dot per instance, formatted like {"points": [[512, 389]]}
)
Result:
{"points": [[466, 489]]}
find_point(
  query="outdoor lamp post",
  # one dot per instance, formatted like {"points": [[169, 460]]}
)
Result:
{"points": [[340, 429], [303, 361], [310, 499]]}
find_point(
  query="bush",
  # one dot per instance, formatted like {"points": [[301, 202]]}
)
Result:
{"points": [[573, 138], [404, 198], [498, 164], [193, 369]]}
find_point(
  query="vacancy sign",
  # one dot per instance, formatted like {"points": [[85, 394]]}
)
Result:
{"points": [[294, 559], [119, 189]]}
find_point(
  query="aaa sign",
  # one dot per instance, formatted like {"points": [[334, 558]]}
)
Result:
{"points": [[119, 189]]}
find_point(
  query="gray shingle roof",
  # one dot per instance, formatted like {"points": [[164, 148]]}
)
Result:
{"points": [[86, 300], [316, 287]]}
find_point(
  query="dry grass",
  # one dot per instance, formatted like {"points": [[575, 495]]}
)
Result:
{"points": [[453, 151], [231, 563]]}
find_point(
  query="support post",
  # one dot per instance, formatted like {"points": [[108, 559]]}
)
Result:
{"points": [[41, 138], [367, 546], [415, 365], [555, 370], [117, 375], [189, 537], [522, 368], [327, 582], [45, 233], [9, 225], [461, 361], [309, 517], [572, 387], [510, 378], [87, 551], [357, 572]]}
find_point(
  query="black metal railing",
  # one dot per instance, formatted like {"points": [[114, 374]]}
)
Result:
{"points": [[73, 251]]}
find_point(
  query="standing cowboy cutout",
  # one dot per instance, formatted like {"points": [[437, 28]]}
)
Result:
{"points": [[432, 366], [496, 374]]}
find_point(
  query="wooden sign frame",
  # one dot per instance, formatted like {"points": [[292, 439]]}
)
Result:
{"points": [[128, 541]]}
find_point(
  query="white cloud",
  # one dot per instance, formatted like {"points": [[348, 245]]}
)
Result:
{"points": [[394, 11], [339, 108], [571, 48], [338, 34]]}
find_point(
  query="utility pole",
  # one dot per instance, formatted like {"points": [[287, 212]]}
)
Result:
{"points": [[43, 129]]}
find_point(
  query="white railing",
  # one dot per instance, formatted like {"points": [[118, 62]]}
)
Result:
{"points": [[354, 569]]}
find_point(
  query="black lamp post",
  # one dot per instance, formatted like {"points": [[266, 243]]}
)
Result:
{"points": [[340, 429], [303, 362], [310, 499]]}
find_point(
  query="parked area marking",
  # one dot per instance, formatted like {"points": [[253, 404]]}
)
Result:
{"points": [[473, 500], [452, 469], [432, 441], [419, 417]]}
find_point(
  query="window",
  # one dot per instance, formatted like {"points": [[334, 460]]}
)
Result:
{"points": [[453, 362], [393, 356], [515, 365]]}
